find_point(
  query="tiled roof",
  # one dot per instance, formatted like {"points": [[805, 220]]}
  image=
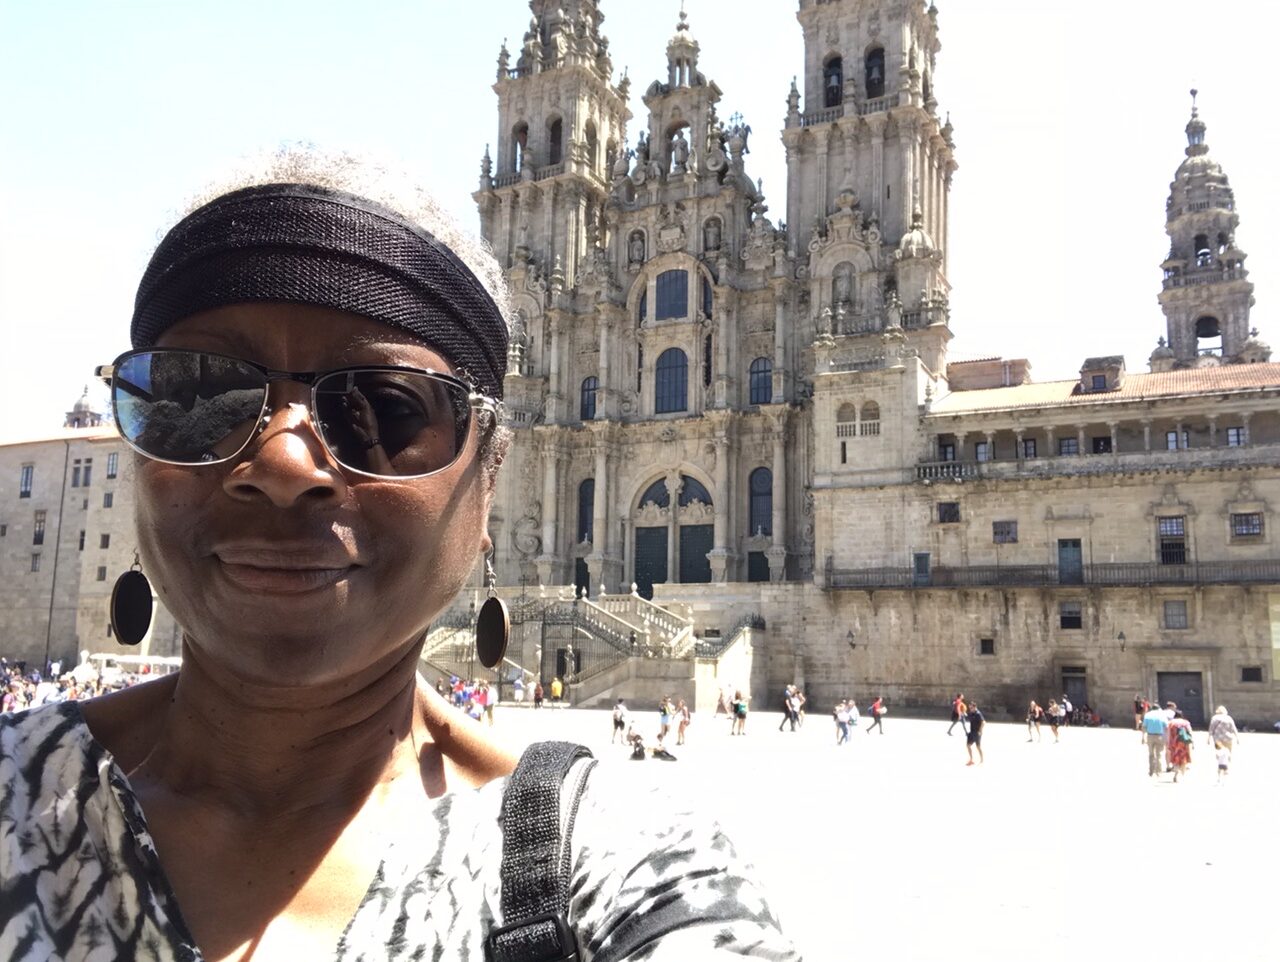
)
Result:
{"points": [[102, 433], [1136, 387]]}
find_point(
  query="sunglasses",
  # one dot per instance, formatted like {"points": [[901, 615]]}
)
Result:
{"points": [[194, 407]]}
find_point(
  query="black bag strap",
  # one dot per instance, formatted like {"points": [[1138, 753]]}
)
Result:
{"points": [[536, 859]]}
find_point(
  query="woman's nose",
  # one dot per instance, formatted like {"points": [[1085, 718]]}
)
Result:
{"points": [[287, 462]]}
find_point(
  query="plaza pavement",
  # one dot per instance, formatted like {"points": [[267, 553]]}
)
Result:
{"points": [[891, 849]]}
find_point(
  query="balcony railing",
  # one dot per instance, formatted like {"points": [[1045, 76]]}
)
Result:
{"points": [[1112, 574], [1110, 462]]}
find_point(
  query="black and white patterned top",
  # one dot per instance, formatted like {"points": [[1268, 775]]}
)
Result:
{"points": [[80, 879]]}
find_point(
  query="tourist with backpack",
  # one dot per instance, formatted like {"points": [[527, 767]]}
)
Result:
{"points": [[1180, 737]]}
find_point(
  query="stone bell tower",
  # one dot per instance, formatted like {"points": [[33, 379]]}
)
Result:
{"points": [[561, 121], [1207, 293], [870, 165]]}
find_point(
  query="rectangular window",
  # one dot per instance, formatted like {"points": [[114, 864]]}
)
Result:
{"points": [[81, 540], [1171, 440], [1004, 532], [1099, 382], [1251, 673], [88, 467], [4, 530], [107, 499], [673, 295], [946, 452], [844, 452], [75, 473], [35, 561], [982, 451], [104, 541], [25, 480], [113, 465], [37, 532], [1029, 447], [1175, 614], [987, 646], [102, 572], [1235, 437], [1071, 615], [1173, 540], [757, 566], [948, 512], [1102, 445], [1068, 445], [1246, 525]]}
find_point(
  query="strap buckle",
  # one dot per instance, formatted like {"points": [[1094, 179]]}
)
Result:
{"points": [[532, 940]]}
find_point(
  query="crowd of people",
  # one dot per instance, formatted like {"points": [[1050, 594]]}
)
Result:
{"points": [[669, 712], [1169, 737], [29, 688]]}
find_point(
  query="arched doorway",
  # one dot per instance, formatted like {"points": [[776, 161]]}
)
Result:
{"points": [[671, 541]]}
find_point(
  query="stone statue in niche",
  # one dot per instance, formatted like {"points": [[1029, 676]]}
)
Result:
{"points": [[635, 250], [679, 153], [711, 235], [842, 284]]}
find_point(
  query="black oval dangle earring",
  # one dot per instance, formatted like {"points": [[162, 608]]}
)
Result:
{"points": [[131, 605], [493, 626]]}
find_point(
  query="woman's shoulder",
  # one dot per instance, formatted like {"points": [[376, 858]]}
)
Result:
{"points": [[650, 869]]}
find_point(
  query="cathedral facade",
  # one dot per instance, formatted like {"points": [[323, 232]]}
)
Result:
{"points": [[729, 414]]}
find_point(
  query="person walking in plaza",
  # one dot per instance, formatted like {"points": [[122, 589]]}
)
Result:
{"points": [[739, 726], [1179, 737], [957, 712], [1155, 728], [841, 714], [683, 717], [538, 695], [1035, 715], [1222, 730], [1139, 709], [665, 711], [557, 688], [1223, 755], [1067, 709], [1055, 718], [973, 737], [790, 708], [620, 717], [877, 711]]}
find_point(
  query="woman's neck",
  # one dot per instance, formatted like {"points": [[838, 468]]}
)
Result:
{"points": [[275, 751]]}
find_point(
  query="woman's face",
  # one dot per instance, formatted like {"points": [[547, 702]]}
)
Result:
{"points": [[281, 566]]}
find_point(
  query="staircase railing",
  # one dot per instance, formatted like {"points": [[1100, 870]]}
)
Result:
{"points": [[715, 647]]}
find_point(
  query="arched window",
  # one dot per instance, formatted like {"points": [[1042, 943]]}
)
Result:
{"points": [[1208, 335], [708, 300], [593, 145], [760, 484], [671, 382], [847, 413], [761, 380], [586, 510], [519, 144], [691, 490], [587, 406], [1204, 256], [875, 73], [656, 493], [706, 361], [673, 295], [870, 420], [833, 82], [555, 138]]}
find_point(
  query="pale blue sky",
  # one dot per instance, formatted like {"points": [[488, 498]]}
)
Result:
{"points": [[1068, 123]]}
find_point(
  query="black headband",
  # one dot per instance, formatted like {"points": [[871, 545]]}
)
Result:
{"points": [[310, 245]]}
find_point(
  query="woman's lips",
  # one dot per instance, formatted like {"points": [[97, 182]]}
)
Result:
{"points": [[282, 580], [276, 571]]}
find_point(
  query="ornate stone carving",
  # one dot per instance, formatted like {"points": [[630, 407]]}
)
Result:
{"points": [[671, 227], [524, 536]]}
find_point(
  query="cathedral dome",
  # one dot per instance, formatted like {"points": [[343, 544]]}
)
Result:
{"points": [[916, 242], [85, 404]]}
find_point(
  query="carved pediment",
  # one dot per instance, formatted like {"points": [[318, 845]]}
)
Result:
{"points": [[697, 512], [650, 515]]}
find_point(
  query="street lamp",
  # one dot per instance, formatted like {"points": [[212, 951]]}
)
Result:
{"points": [[849, 638]]}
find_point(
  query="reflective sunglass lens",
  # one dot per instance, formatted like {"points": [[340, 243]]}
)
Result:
{"points": [[392, 423], [187, 406]]}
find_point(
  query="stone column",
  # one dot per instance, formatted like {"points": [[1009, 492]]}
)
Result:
{"points": [[1080, 440], [876, 124], [673, 526], [1213, 430], [1146, 436], [720, 553], [605, 393], [821, 145], [1115, 439], [779, 344], [1244, 424], [777, 552], [906, 145], [548, 561], [1017, 444], [793, 197], [1049, 442], [553, 369], [991, 445], [960, 436], [1178, 443]]}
